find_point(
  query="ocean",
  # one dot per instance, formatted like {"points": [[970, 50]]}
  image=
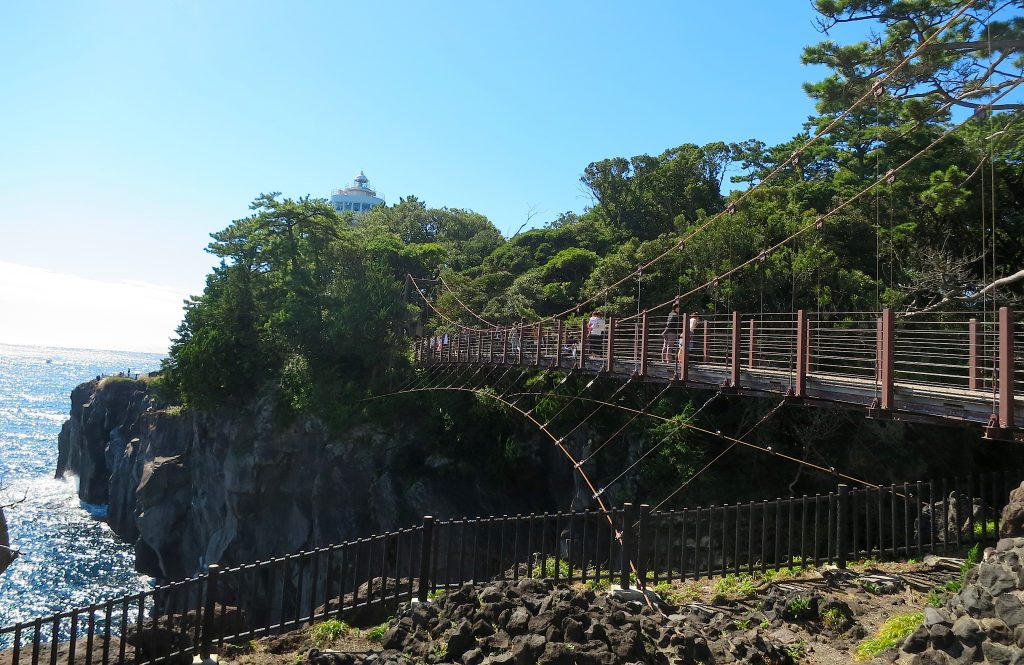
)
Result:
{"points": [[69, 557]]}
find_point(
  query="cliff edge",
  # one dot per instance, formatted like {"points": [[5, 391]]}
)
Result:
{"points": [[190, 488]]}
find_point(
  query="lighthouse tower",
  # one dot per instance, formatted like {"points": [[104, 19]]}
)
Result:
{"points": [[357, 198]]}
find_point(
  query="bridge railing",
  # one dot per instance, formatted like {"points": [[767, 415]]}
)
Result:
{"points": [[938, 356]]}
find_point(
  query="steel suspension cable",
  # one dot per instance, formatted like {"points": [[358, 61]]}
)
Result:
{"points": [[603, 293]]}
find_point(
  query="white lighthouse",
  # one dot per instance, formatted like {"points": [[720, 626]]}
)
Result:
{"points": [[357, 198]]}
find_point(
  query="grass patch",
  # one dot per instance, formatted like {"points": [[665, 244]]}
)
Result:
{"points": [[376, 634], [890, 635], [989, 527], [732, 587], [326, 632], [547, 567]]}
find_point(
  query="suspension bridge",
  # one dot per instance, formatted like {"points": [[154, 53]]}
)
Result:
{"points": [[948, 368]]}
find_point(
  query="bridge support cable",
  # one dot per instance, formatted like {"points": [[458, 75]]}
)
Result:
{"points": [[718, 434], [873, 92], [794, 157], [721, 454], [632, 419], [450, 290], [598, 409]]}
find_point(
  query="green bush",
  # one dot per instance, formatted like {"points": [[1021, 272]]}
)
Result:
{"points": [[326, 632], [890, 635], [376, 634], [733, 587], [546, 568]]}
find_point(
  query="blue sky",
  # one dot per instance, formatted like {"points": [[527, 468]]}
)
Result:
{"points": [[130, 131]]}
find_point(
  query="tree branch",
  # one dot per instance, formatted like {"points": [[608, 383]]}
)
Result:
{"points": [[981, 293]]}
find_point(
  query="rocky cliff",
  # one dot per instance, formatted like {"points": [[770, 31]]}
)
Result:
{"points": [[190, 488]]}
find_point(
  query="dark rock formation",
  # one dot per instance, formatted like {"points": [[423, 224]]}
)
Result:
{"points": [[191, 488], [1012, 525], [984, 622], [535, 622], [7, 555]]}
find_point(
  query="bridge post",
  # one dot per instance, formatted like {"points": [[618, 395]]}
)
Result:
{"points": [[540, 338], [752, 344], [800, 364], [734, 359], [886, 356], [972, 344], [1006, 367], [209, 613], [704, 337], [560, 342], [583, 345], [842, 520], [810, 346], [609, 361], [642, 367], [520, 341], [426, 551], [684, 364], [479, 335], [642, 539], [628, 544]]}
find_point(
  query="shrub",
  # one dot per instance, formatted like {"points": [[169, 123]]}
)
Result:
{"points": [[376, 634], [435, 594], [833, 618], [546, 568], [889, 635], [326, 632], [735, 586]]}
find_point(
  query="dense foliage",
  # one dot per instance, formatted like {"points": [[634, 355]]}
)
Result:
{"points": [[310, 302]]}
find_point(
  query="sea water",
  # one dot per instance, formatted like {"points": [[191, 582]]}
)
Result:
{"points": [[70, 558]]}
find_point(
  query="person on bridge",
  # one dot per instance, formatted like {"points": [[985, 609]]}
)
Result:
{"points": [[694, 327], [596, 327], [670, 335]]}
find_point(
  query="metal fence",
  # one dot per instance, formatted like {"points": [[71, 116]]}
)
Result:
{"points": [[373, 575]]}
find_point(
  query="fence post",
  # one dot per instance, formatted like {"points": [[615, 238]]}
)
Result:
{"points": [[583, 344], [609, 361], [209, 612], [1006, 367], [642, 371], [800, 367], [426, 549], [704, 337], [560, 343], [753, 344], [972, 344], [842, 522], [520, 341], [641, 545], [540, 339], [886, 356], [810, 347], [628, 545], [684, 365], [734, 374]]}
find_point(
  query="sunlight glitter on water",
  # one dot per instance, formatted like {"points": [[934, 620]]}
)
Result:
{"points": [[69, 558]]}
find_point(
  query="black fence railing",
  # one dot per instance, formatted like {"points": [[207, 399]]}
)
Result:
{"points": [[173, 622]]}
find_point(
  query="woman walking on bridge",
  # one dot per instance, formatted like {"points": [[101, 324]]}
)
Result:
{"points": [[670, 335]]}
